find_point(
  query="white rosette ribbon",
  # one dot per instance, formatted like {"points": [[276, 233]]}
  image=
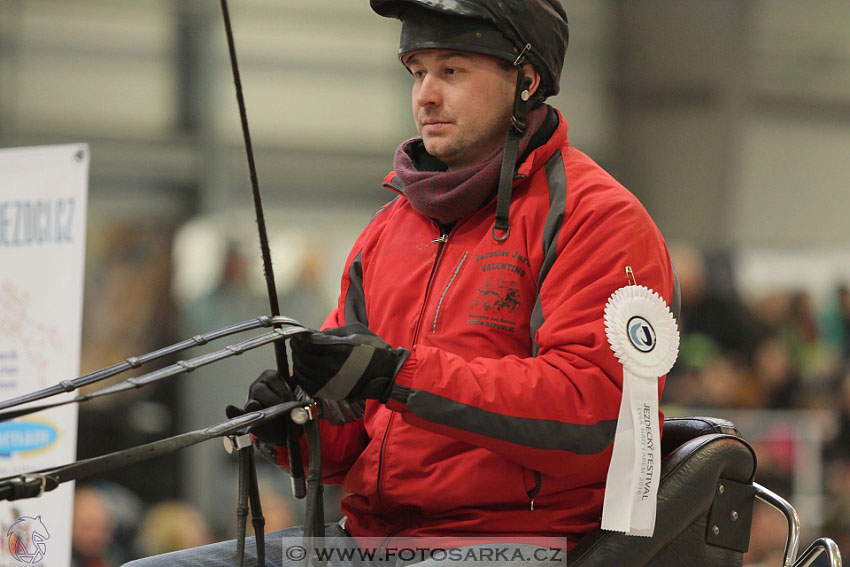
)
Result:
{"points": [[645, 339]]}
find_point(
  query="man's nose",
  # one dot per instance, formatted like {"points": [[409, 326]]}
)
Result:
{"points": [[428, 92]]}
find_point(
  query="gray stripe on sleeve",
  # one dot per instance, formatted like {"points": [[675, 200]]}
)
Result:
{"points": [[355, 299], [551, 229], [534, 433]]}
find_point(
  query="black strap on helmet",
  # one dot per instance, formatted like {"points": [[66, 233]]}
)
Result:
{"points": [[502, 228]]}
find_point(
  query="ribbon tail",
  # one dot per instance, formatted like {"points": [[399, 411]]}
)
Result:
{"points": [[631, 488], [648, 466], [617, 504]]}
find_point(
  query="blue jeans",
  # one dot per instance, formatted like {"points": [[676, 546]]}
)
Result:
{"points": [[223, 554], [283, 549]]}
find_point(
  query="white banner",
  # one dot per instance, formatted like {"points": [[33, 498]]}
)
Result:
{"points": [[43, 194]]}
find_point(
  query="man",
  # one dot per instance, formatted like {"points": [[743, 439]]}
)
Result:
{"points": [[471, 312]]}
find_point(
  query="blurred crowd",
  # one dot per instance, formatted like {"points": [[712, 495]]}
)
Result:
{"points": [[777, 350], [113, 525]]}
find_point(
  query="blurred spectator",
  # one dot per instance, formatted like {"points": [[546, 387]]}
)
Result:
{"points": [[844, 316], [718, 337], [719, 383], [710, 307], [126, 508], [772, 309], [230, 301], [837, 322], [813, 357], [93, 532], [840, 448], [837, 523], [279, 510], [776, 382], [170, 526]]}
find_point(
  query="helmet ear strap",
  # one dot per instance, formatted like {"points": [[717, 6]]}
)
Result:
{"points": [[521, 94], [522, 104]]}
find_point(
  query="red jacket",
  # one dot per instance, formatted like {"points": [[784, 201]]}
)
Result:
{"points": [[502, 419]]}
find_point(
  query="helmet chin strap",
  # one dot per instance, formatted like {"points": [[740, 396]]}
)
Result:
{"points": [[501, 228]]}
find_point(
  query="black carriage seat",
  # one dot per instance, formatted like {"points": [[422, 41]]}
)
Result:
{"points": [[705, 503]]}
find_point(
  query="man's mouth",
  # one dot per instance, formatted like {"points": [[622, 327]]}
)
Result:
{"points": [[433, 126]]}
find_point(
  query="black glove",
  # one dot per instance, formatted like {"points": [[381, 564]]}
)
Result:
{"points": [[346, 363], [267, 390]]}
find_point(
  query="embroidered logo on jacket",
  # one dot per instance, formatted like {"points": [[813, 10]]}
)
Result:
{"points": [[502, 297], [514, 263], [498, 299]]}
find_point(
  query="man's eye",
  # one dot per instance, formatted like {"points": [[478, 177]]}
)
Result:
{"points": [[451, 71]]}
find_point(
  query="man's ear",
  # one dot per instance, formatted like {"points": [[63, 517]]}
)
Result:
{"points": [[532, 74]]}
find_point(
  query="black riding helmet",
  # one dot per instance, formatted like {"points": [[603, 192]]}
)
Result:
{"points": [[537, 29], [513, 30]]}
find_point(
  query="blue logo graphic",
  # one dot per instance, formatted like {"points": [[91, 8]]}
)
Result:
{"points": [[26, 539], [24, 436], [641, 334]]}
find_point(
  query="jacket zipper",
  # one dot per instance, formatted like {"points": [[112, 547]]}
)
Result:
{"points": [[442, 240], [381, 456], [446, 290], [538, 481]]}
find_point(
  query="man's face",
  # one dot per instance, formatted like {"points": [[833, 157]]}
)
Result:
{"points": [[462, 104]]}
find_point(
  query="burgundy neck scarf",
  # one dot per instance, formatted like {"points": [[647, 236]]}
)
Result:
{"points": [[450, 195]]}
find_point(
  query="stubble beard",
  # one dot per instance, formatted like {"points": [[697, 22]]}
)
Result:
{"points": [[463, 151]]}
